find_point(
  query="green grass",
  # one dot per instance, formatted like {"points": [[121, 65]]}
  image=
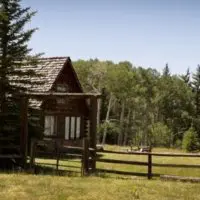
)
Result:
{"points": [[105, 187], [40, 187]]}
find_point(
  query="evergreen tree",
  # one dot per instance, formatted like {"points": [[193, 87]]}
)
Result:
{"points": [[166, 70], [196, 89], [186, 77], [14, 51], [14, 54]]}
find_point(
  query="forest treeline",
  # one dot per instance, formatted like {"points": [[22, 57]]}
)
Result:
{"points": [[142, 106]]}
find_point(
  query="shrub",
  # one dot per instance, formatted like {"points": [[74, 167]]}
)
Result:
{"points": [[160, 135], [112, 132], [178, 144], [190, 140]]}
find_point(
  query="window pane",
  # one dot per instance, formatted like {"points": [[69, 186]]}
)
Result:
{"points": [[67, 128], [49, 125], [61, 88], [72, 127], [78, 127]]}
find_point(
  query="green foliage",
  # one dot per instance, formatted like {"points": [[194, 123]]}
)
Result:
{"points": [[14, 50], [186, 77], [190, 140], [166, 71], [14, 57], [150, 97], [160, 135], [176, 105], [113, 130]]}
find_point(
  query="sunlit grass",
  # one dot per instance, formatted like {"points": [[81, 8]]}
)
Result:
{"points": [[105, 187], [40, 187]]}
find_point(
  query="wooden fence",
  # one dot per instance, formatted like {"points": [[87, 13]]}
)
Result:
{"points": [[84, 154], [149, 162], [89, 156]]}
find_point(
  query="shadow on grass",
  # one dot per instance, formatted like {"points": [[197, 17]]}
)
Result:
{"points": [[45, 170]]}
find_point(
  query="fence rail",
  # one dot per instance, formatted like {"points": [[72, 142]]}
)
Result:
{"points": [[149, 162], [89, 156], [152, 153], [56, 153]]}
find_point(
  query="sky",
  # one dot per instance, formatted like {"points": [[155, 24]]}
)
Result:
{"points": [[148, 33]]}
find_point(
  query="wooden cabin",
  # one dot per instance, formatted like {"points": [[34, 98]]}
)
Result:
{"points": [[56, 95], [63, 118]]}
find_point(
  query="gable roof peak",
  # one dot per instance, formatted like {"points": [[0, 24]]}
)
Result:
{"points": [[55, 58]]}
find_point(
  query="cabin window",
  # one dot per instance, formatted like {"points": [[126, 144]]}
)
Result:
{"points": [[69, 127], [72, 127], [50, 125], [61, 88]]}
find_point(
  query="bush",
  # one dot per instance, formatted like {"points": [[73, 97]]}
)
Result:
{"points": [[113, 131], [178, 144], [160, 135], [190, 140]]}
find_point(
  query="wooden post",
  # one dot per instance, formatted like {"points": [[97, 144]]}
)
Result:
{"points": [[85, 158], [57, 154], [32, 153], [93, 129], [24, 129], [149, 166]]}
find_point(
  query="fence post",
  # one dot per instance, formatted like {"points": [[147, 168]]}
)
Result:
{"points": [[149, 165], [32, 153], [93, 130], [85, 159], [57, 153]]}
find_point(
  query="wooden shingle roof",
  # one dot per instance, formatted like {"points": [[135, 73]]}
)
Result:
{"points": [[48, 70]]}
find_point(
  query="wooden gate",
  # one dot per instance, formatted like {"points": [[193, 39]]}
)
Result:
{"points": [[61, 158]]}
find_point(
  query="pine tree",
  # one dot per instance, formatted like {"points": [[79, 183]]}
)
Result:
{"points": [[14, 53], [196, 89], [166, 70], [186, 77]]}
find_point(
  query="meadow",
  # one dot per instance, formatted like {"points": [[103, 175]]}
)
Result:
{"points": [[14, 186], [41, 187]]}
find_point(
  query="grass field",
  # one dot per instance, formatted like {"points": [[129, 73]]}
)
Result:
{"points": [[15, 187], [105, 187]]}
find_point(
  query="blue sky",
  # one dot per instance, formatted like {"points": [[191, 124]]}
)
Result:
{"points": [[148, 33]]}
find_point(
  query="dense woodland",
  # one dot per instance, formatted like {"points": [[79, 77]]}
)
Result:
{"points": [[142, 106]]}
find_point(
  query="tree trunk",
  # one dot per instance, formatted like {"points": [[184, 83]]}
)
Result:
{"points": [[106, 120], [120, 136], [126, 129]]}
